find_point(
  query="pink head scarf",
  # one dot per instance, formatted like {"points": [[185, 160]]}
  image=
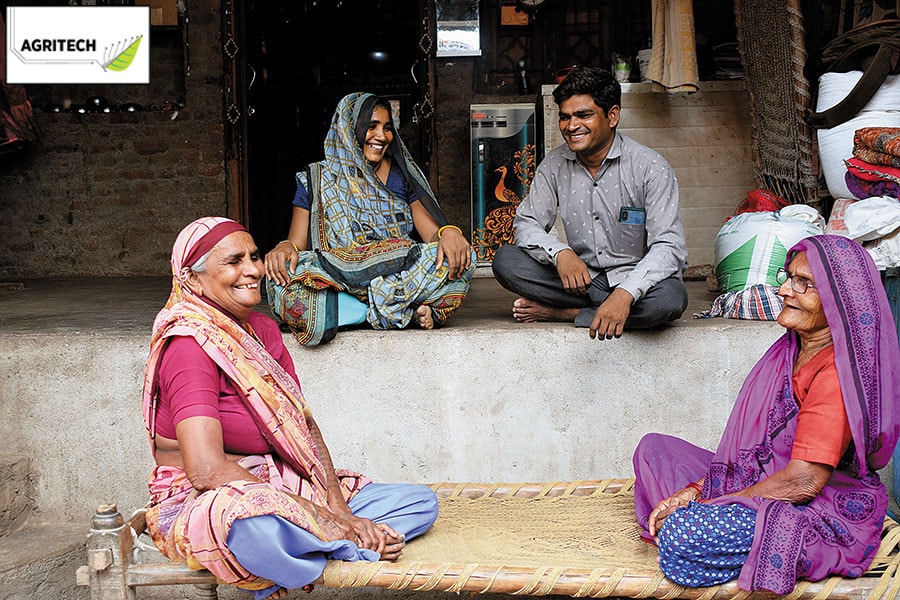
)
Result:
{"points": [[195, 240]]}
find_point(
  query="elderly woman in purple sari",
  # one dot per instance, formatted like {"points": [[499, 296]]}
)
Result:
{"points": [[792, 491]]}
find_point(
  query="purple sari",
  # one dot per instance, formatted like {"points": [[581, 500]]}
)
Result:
{"points": [[839, 531]]}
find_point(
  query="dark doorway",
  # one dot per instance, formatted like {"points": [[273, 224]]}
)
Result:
{"points": [[302, 58]]}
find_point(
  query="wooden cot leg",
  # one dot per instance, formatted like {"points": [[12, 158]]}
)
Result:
{"points": [[207, 591], [110, 550]]}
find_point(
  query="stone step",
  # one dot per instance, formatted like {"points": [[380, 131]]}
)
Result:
{"points": [[17, 492], [40, 561]]}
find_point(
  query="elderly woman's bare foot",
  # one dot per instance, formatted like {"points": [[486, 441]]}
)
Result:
{"points": [[529, 311], [424, 317], [281, 593]]}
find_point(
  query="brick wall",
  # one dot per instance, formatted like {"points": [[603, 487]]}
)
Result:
{"points": [[105, 194]]}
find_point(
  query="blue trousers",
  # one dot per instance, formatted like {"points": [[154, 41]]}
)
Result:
{"points": [[276, 549]]}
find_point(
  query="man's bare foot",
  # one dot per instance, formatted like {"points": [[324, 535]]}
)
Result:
{"points": [[423, 317], [529, 311]]}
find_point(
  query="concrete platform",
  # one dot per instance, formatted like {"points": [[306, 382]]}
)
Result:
{"points": [[128, 305], [483, 399]]}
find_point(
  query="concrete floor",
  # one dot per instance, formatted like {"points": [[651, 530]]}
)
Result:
{"points": [[128, 305]]}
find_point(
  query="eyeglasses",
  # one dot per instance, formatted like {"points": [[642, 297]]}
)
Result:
{"points": [[798, 284]]}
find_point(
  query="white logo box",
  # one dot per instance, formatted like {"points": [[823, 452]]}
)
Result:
{"points": [[78, 44]]}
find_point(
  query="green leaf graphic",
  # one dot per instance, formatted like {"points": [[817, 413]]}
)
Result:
{"points": [[124, 59]]}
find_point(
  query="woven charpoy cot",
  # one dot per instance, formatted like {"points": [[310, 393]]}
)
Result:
{"points": [[575, 538], [570, 538]]}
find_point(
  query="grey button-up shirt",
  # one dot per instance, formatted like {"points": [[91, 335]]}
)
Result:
{"points": [[624, 221]]}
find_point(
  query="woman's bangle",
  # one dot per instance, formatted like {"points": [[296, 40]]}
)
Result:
{"points": [[441, 230], [293, 245], [697, 487]]}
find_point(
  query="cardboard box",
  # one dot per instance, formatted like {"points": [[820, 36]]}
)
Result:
{"points": [[162, 12]]}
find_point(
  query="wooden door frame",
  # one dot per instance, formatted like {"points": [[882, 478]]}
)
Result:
{"points": [[236, 105], [235, 110]]}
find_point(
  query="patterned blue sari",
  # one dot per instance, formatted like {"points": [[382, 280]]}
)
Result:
{"points": [[361, 240]]}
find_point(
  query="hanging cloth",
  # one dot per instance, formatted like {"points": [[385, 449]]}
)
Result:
{"points": [[17, 125], [673, 58]]}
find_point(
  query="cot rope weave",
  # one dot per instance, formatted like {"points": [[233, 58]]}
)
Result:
{"points": [[575, 538]]}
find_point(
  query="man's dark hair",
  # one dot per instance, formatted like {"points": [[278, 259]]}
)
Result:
{"points": [[595, 82]]}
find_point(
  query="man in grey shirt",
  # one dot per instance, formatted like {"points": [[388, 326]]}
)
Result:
{"points": [[618, 201]]}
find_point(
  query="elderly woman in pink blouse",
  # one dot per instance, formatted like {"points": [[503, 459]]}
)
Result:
{"points": [[244, 484]]}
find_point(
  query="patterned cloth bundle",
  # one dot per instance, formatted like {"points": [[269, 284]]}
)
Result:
{"points": [[874, 169], [878, 145], [759, 302]]}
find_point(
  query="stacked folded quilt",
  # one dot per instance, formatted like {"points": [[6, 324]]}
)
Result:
{"points": [[874, 169]]}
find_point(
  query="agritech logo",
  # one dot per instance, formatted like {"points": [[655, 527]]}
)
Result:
{"points": [[78, 44]]}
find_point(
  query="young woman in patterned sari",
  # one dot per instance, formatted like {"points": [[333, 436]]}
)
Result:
{"points": [[368, 241], [792, 492], [244, 484]]}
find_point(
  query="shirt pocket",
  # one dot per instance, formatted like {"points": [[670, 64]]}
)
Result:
{"points": [[630, 232], [630, 240]]}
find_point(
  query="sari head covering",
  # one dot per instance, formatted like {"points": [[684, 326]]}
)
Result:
{"points": [[357, 208], [193, 243], [364, 105], [196, 241], [838, 532]]}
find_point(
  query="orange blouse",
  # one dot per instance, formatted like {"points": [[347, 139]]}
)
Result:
{"points": [[823, 431]]}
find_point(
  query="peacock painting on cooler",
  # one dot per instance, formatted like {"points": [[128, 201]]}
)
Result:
{"points": [[503, 163]]}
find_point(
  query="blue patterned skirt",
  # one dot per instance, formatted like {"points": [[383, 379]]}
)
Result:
{"points": [[704, 544]]}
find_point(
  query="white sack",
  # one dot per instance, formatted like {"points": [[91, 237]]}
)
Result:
{"points": [[872, 218], [751, 247], [875, 223]]}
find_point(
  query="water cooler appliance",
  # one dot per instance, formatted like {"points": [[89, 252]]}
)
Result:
{"points": [[503, 161]]}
